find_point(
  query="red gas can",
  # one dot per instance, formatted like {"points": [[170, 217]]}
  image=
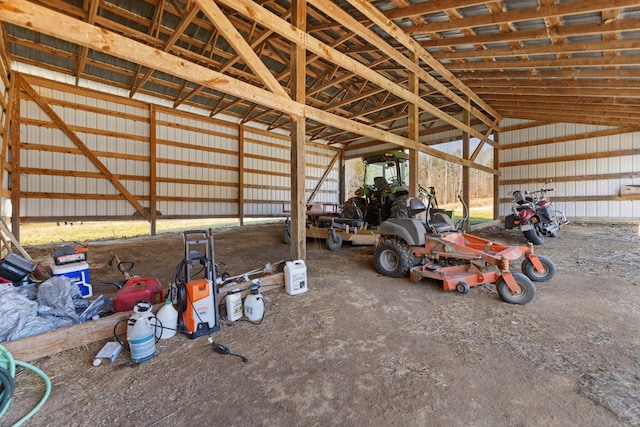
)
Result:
{"points": [[137, 289]]}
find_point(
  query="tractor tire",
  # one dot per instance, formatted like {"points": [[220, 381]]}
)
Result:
{"points": [[394, 258], [534, 236], [400, 207], [530, 271], [354, 208], [525, 287]]}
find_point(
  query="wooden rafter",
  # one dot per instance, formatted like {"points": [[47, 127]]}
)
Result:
{"points": [[185, 21], [357, 58], [540, 12], [82, 50]]}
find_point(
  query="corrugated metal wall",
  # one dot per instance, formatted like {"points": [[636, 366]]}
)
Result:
{"points": [[198, 167], [587, 165], [57, 179]]}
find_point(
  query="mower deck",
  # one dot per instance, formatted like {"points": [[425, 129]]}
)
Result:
{"points": [[451, 276], [481, 261]]}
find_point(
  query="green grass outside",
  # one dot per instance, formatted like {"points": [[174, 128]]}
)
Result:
{"points": [[45, 233]]}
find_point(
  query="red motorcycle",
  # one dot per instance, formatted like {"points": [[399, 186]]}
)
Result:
{"points": [[531, 212]]}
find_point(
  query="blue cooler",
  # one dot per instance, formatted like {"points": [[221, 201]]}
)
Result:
{"points": [[78, 272]]}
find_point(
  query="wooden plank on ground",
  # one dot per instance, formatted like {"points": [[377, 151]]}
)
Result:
{"points": [[52, 342]]}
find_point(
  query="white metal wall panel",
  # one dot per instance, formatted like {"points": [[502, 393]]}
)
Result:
{"points": [[198, 161], [267, 171], [590, 185], [189, 150], [113, 137]]}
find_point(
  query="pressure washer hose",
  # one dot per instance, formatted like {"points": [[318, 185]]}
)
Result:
{"points": [[7, 374]]}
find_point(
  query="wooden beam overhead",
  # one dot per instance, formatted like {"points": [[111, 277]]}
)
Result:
{"points": [[533, 13], [468, 52]]}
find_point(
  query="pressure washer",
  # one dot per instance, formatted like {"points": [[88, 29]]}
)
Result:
{"points": [[196, 289]]}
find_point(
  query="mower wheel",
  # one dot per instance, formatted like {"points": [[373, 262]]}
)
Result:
{"points": [[286, 236], [534, 236], [334, 240], [462, 287], [394, 259], [526, 290], [548, 269]]}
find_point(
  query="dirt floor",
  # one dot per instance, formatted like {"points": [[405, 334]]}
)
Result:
{"points": [[362, 349]]}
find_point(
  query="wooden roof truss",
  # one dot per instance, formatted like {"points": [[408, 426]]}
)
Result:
{"points": [[541, 60]]}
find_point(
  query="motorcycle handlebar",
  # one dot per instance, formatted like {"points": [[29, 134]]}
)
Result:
{"points": [[542, 190]]}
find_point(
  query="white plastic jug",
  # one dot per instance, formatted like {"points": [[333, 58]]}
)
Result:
{"points": [[142, 341], [233, 300], [168, 321], [254, 305], [295, 277], [142, 309]]}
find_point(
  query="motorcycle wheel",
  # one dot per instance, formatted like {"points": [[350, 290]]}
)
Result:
{"points": [[534, 236]]}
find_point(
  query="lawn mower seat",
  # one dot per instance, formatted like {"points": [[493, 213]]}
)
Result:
{"points": [[441, 223]]}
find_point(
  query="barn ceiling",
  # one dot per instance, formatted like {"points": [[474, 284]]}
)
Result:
{"points": [[368, 62]]}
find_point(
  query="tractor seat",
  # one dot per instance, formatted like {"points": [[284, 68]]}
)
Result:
{"points": [[380, 182]]}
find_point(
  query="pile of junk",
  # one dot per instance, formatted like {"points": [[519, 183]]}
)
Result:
{"points": [[34, 301]]}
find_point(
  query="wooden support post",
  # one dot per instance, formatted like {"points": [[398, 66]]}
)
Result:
{"points": [[496, 177], [466, 170], [414, 134], [343, 177], [15, 155], [298, 135], [152, 171], [241, 143], [7, 131]]}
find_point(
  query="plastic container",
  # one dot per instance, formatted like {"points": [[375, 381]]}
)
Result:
{"points": [[168, 321], [233, 300], [78, 272], [142, 340], [295, 277], [254, 305], [137, 289], [142, 309], [110, 351]]}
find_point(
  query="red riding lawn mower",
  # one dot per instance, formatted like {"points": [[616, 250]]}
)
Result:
{"points": [[439, 249]]}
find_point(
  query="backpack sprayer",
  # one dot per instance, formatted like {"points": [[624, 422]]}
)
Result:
{"points": [[197, 298]]}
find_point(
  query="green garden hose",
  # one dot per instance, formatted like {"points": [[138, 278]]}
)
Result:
{"points": [[7, 374]]}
